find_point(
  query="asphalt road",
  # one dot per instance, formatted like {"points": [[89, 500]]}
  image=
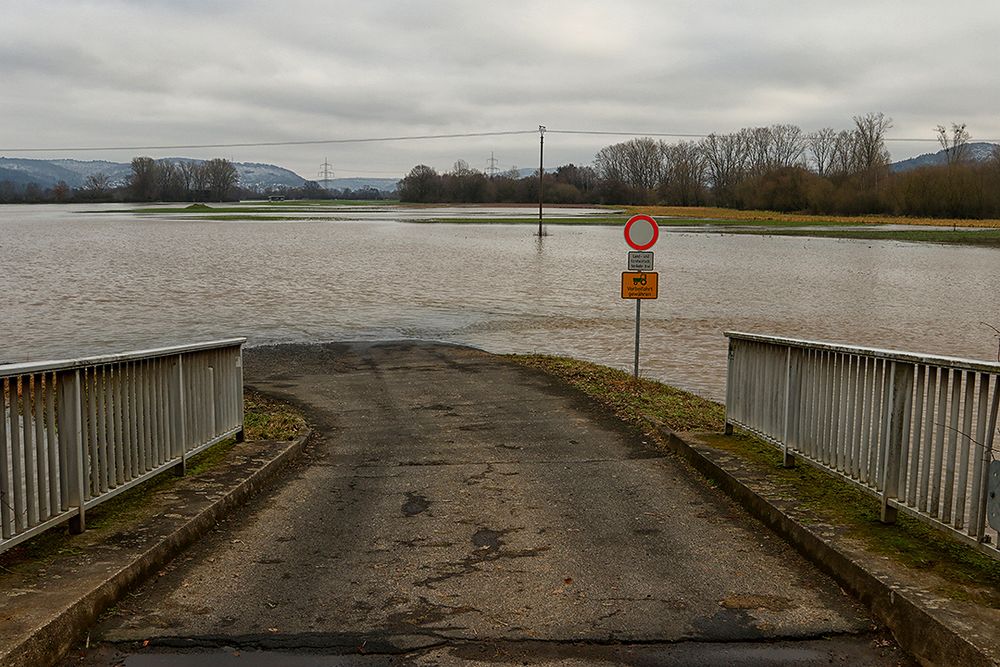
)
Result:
{"points": [[456, 508]]}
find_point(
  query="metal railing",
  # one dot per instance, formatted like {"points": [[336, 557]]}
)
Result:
{"points": [[75, 433], [915, 430]]}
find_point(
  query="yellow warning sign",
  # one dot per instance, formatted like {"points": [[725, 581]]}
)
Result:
{"points": [[640, 285]]}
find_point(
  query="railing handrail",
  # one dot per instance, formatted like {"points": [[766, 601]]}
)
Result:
{"points": [[9, 370], [872, 352]]}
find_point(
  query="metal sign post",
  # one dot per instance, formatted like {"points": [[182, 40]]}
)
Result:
{"points": [[635, 364], [640, 282]]}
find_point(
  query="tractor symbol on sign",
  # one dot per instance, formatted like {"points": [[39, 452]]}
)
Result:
{"points": [[639, 280]]}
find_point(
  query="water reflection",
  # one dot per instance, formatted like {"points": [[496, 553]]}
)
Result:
{"points": [[77, 284]]}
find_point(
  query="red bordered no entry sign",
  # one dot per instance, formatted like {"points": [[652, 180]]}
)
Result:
{"points": [[641, 232]]}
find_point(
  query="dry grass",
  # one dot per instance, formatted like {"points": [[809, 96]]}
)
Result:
{"points": [[688, 212]]}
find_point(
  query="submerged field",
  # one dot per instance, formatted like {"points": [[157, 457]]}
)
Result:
{"points": [[693, 219]]}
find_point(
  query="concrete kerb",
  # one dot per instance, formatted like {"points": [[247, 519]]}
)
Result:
{"points": [[915, 626], [48, 642]]}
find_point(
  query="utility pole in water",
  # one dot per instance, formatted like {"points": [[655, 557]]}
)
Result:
{"points": [[541, 173]]}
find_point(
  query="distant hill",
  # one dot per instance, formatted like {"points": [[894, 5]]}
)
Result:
{"points": [[46, 173], [977, 152]]}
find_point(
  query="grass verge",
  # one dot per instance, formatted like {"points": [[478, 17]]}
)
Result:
{"points": [[963, 572], [714, 213], [264, 419]]}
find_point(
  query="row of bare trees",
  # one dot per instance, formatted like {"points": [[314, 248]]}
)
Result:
{"points": [[715, 168], [778, 167], [185, 180]]}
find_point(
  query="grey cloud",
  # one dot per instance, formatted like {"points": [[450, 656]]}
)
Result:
{"points": [[180, 71]]}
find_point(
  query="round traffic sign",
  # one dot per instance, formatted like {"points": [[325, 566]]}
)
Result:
{"points": [[641, 232]]}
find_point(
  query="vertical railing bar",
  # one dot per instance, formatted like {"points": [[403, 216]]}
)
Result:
{"points": [[964, 453], [121, 445], [754, 407], [115, 415], [907, 425], [838, 403], [93, 425], [786, 430], [200, 407], [991, 429], [238, 397], [847, 415], [135, 429], [926, 465], [165, 411], [70, 421], [730, 390], [878, 440], [899, 398], [797, 398], [885, 415], [55, 477], [860, 382], [937, 466], [871, 378], [28, 443], [820, 403], [149, 413], [6, 486], [778, 372], [41, 449], [212, 404], [978, 472], [156, 414], [917, 452], [17, 456], [141, 439], [809, 439], [128, 441], [100, 431], [951, 454], [826, 412]]}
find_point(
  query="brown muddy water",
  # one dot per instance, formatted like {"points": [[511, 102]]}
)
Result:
{"points": [[76, 281]]}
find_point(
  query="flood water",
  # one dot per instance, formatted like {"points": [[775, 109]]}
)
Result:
{"points": [[76, 282]]}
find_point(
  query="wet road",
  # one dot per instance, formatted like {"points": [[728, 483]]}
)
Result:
{"points": [[455, 508]]}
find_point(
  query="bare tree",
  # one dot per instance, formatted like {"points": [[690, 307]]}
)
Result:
{"points": [[843, 160], [955, 145], [143, 182], [99, 183], [725, 162], [822, 145], [756, 143], [684, 184], [787, 146], [637, 162], [222, 178], [870, 152]]}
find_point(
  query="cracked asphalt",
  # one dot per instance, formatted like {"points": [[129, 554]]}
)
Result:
{"points": [[456, 508]]}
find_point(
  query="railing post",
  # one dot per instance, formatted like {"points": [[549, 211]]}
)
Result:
{"points": [[730, 389], [241, 434], [70, 427], [180, 416], [900, 387]]}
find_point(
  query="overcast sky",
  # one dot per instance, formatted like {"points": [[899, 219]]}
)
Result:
{"points": [[103, 73]]}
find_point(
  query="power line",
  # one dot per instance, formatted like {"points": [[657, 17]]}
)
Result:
{"points": [[694, 135], [255, 144], [417, 137]]}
